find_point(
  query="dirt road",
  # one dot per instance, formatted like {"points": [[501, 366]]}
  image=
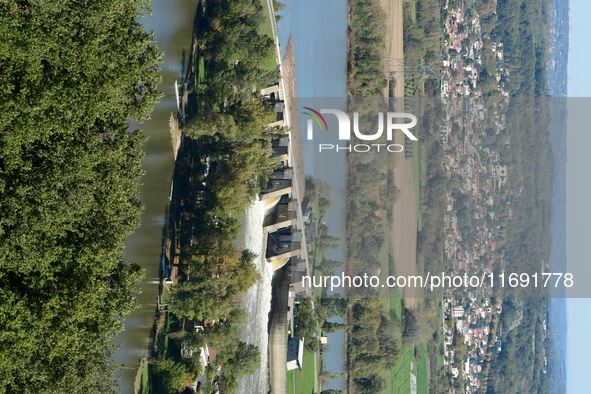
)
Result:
{"points": [[403, 231]]}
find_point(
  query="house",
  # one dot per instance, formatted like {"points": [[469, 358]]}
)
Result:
{"points": [[295, 353], [457, 311]]}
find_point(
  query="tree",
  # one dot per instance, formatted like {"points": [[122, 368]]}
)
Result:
{"points": [[171, 377], [73, 73], [326, 376], [333, 327], [325, 241], [372, 384], [238, 358], [328, 267], [333, 306]]}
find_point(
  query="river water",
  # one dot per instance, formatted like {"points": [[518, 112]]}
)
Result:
{"points": [[257, 301], [171, 22], [319, 30]]}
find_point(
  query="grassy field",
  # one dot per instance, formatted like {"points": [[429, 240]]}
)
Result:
{"points": [[145, 385], [396, 306], [417, 184], [267, 29], [201, 73], [302, 382], [290, 382], [400, 375], [422, 374]]}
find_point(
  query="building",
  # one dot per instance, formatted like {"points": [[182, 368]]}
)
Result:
{"points": [[457, 311], [295, 353]]}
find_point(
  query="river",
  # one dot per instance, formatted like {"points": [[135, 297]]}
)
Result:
{"points": [[319, 30], [171, 23]]}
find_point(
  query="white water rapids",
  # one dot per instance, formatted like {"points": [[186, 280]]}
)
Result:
{"points": [[257, 301]]}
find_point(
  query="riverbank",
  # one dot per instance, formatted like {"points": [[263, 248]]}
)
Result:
{"points": [[172, 32]]}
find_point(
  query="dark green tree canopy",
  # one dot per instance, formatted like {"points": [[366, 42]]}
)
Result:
{"points": [[71, 74]]}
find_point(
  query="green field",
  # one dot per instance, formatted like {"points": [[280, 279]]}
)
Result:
{"points": [[267, 29], [422, 375], [201, 73], [290, 382], [400, 375], [396, 306], [302, 382], [417, 183], [145, 386]]}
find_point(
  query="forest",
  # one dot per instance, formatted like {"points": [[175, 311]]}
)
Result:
{"points": [[365, 64], [522, 26], [69, 186]]}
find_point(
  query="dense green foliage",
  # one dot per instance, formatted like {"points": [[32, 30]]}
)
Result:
{"points": [[366, 64], [371, 195], [312, 315], [523, 27], [434, 185], [307, 323], [180, 351], [171, 377], [71, 74], [234, 53], [216, 271], [525, 343], [422, 42], [422, 30], [373, 340], [374, 345]]}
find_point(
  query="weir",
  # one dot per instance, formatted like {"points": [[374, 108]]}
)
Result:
{"points": [[283, 240], [277, 264]]}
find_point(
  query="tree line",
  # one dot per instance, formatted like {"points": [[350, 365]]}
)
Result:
{"points": [[72, 73], [366, 47]]}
